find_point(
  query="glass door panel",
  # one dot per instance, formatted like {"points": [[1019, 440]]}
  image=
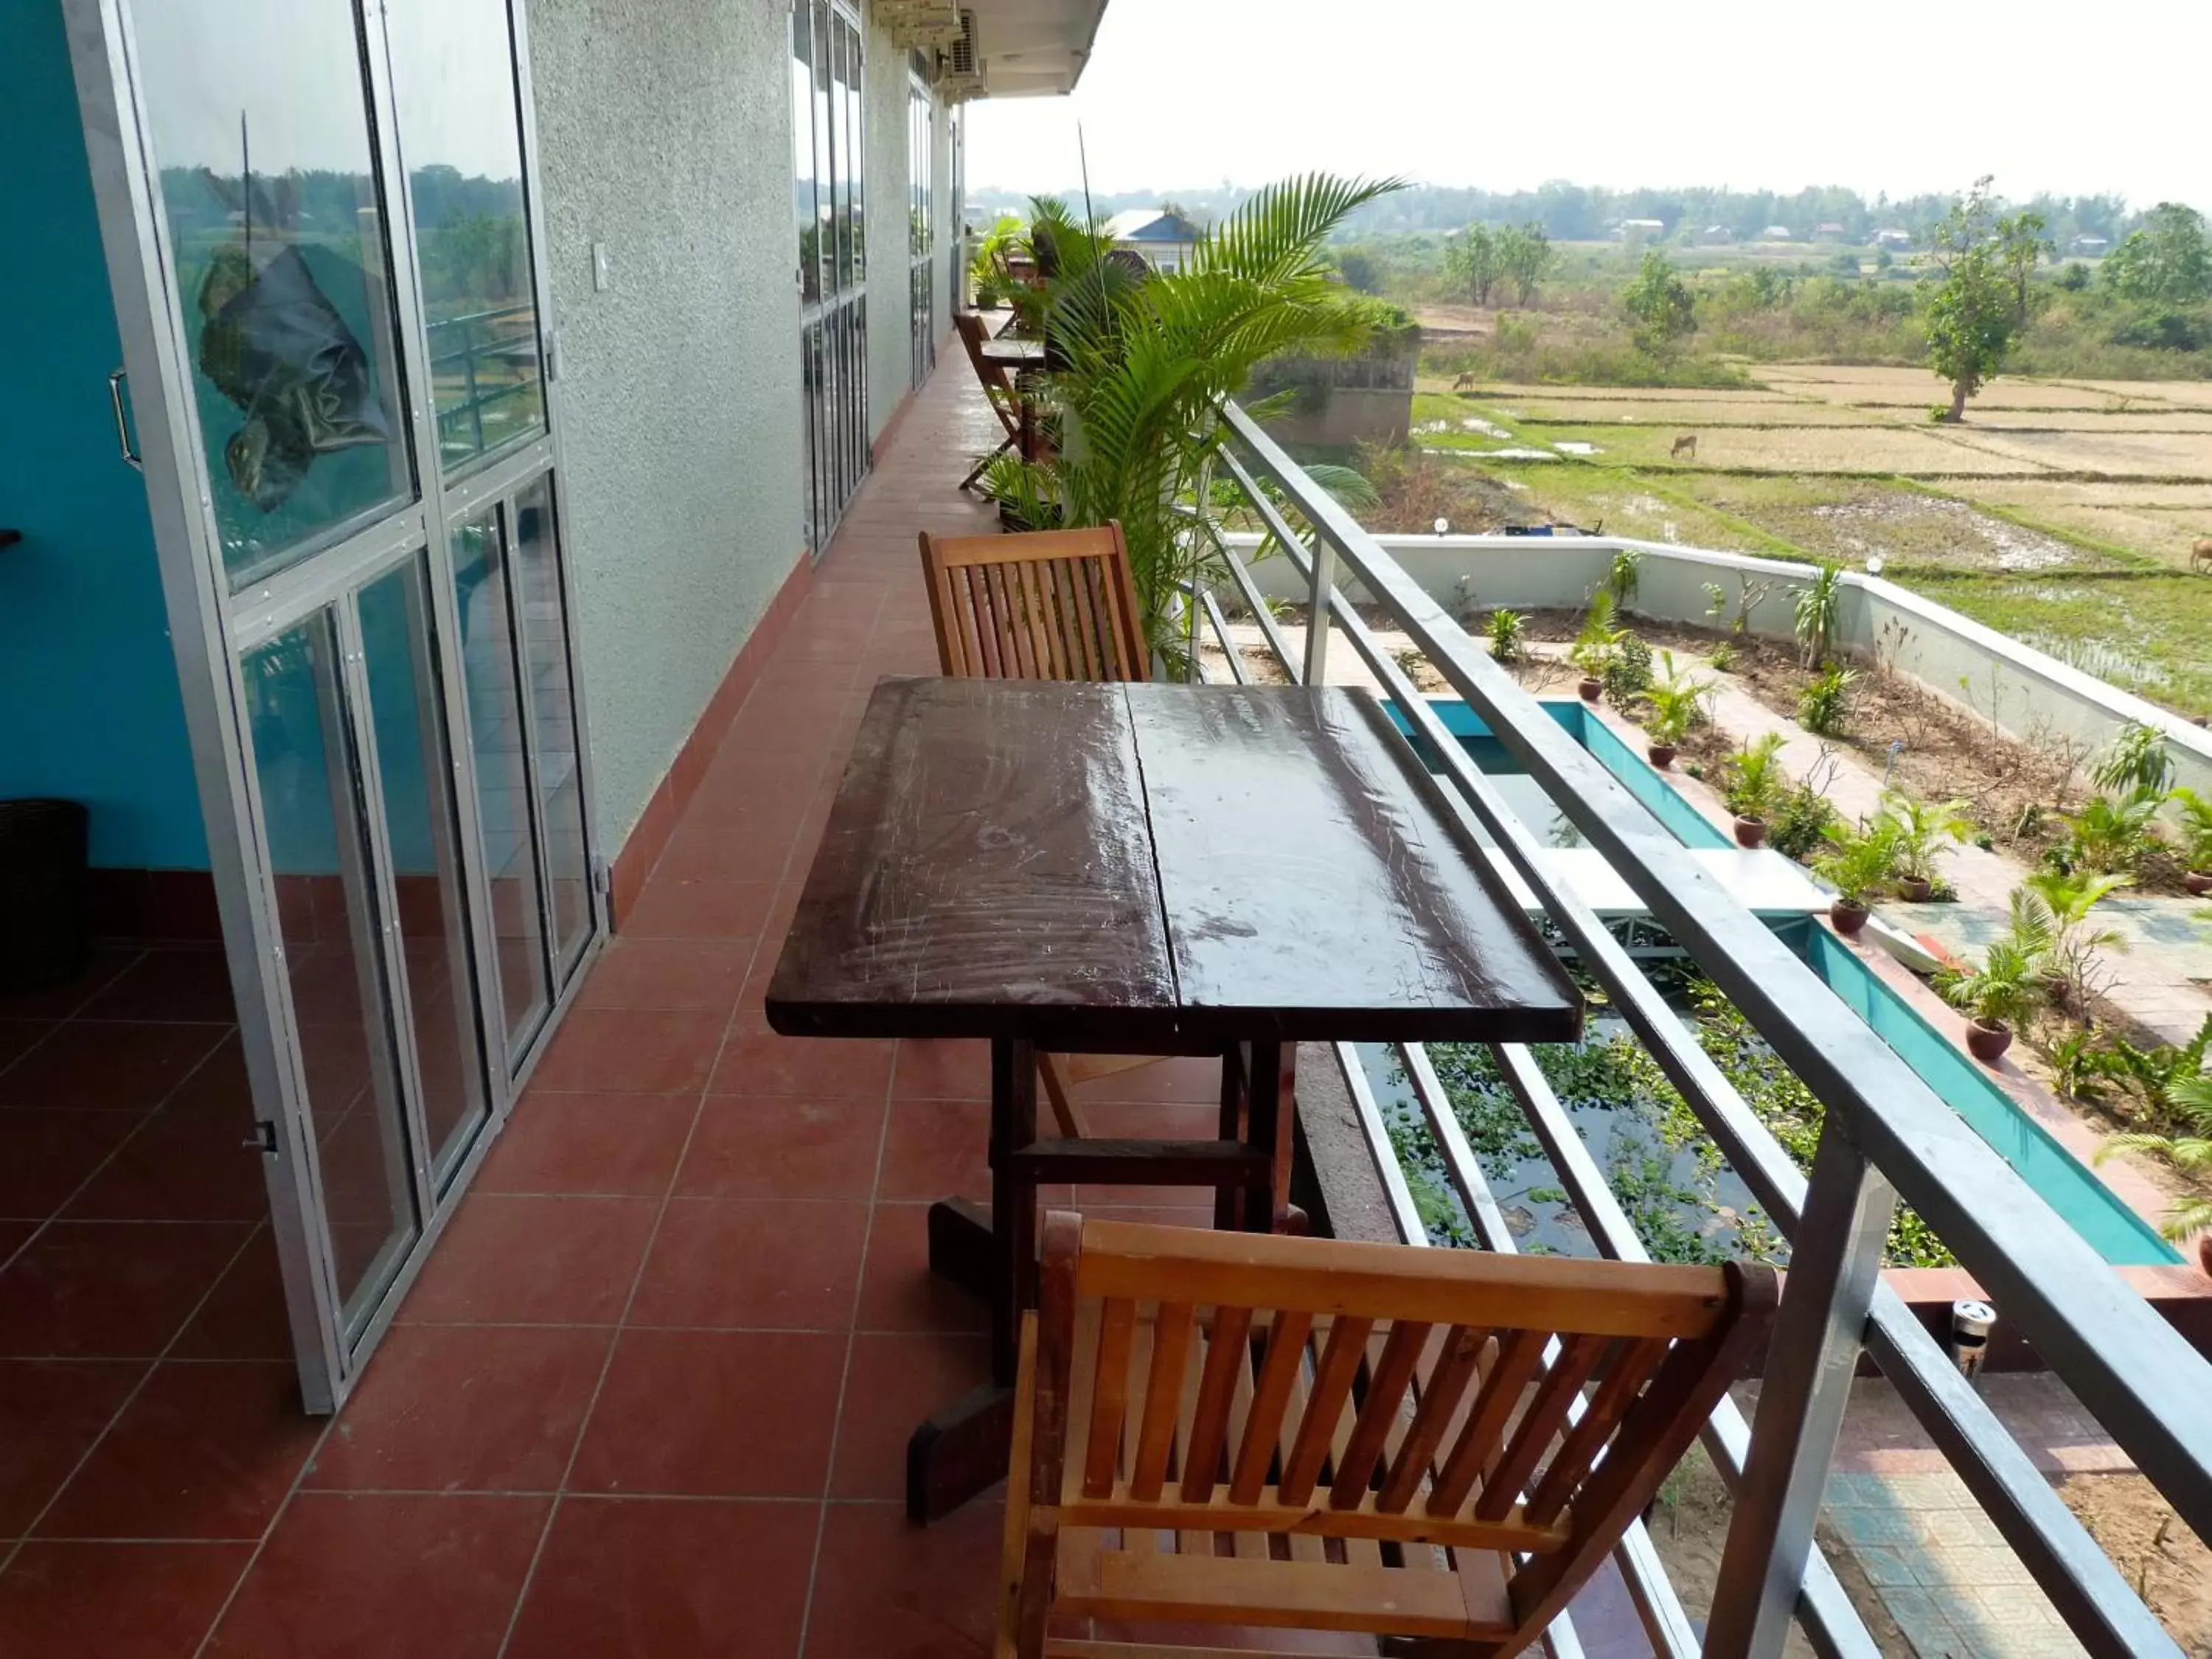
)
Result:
{"points": [[274, 220], [502, 774], [541, 621], [452, 80], [422, 845], [327, 920]]}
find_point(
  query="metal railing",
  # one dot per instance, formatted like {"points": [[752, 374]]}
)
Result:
{"points": [[1887, 1138]]}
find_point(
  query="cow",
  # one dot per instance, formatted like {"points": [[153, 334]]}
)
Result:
{"points": [[1465, 383], [2200, 553], [1685, 445]]}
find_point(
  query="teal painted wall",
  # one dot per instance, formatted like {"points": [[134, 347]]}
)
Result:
{"points": [[89, 707]]}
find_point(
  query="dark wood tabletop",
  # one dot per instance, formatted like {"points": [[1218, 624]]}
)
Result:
{"points": [[1144, 868], [1015, 353]]}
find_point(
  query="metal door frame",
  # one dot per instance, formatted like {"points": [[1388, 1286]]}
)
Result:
{"points": [[211, 628], [845, 416]]}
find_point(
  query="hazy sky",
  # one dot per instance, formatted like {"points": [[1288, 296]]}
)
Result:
{"points": [[1901, 95]]}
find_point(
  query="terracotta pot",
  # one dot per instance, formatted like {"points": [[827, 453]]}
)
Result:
{"points": [[2204, 1253], [1592, 687], [1848, 918], [2199, 883], [1914, 890], [1987, 1040], [1750, 832], [1662, 754]]}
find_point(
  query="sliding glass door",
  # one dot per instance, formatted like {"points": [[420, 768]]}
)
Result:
{"points": [[829, 212], [322, 231], [921, 223]]}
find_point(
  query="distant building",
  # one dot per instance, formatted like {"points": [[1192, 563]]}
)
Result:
{"points": [[1160, 236], [1639, 230], [1893, 238], [2094, 246], [1828, 231], [1775, 233], [1718, 235]]}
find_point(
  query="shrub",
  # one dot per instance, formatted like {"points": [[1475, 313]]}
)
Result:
{"points": [[2113, 833], [1505, 631], [1723, 657], [2195, 827], [1824, 707], [1629, 674], [1800, 822]]}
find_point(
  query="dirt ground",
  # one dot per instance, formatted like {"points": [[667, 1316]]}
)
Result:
{"points": [[2170, 1566], [1689, 1529]]}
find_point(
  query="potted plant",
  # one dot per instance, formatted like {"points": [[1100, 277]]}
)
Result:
{"points": [[1859, 859], [2196, 838], [1995, 997], [1678, 703], [2053, 910], [1596, 645], [1922, 829], [1756, 788], [2188, 1148]]}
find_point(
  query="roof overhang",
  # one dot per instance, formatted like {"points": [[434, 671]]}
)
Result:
{"points": [[1034, 48]]}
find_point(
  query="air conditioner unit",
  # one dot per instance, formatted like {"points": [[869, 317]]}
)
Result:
{"points": [[963, 76]]}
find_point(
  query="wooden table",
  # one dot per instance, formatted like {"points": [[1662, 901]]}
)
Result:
{"points": [[1140, 869], [1014, 353]]}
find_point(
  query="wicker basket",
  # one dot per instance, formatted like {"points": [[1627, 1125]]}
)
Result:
{"points": [[45, 921]]}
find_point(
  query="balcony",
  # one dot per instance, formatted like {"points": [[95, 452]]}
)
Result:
{"points": [[652, 1395]]}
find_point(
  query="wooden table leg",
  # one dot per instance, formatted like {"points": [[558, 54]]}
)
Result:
{"points": [[962, 1449]]}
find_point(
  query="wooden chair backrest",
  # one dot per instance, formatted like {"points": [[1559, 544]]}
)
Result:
{"points": [[1393, 1392], [997, 384], [1050, 605]]}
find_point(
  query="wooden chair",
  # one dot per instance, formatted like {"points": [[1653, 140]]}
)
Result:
{"points": [[998, 385], [1242, 1430]]}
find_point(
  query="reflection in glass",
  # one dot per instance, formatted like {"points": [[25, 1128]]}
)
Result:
{"points": [[502, 777], [827, 157], [328, 922], [802, 152], [541, 617], [853, 151], [453, 77], [258, 120], [421, 838]]}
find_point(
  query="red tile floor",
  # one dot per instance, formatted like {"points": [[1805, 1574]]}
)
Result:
{"points": [[651, 1394]]}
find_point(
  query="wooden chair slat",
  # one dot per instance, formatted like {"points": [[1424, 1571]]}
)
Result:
{"points": [[1136, 1534], [1331, 1388], [1263, 1428], [1457, 1366], [1632, 1370], [1562, 1386], [1227, 1362], [1297, 1546], [1094, 663], [1170, 1353], [1518, 1355], [1387, 1382], [1189, 1543], [1054, 604], [1244, 1542], [1109, 1396]]}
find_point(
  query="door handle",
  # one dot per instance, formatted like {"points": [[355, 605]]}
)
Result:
{"points": [[130, 456]]}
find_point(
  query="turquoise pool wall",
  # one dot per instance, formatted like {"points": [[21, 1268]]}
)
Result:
{"points": [[2121, 1235]]}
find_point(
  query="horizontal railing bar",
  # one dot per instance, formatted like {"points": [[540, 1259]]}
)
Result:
{"points": [[2136, 1374], [2098, 1604], [1648, 1585]]}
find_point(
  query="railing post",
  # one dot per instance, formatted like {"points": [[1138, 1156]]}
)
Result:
{"points": [[1835, 1263], [1324, 583]]}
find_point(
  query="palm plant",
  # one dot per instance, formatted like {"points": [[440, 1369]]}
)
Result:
{"points": [[2114, 833], [1756, 783], [1597, 642], [2188, 1149], [2001, 992], [1678, 703], [2055, 907], [1859, 858], [2196, 830], [1505, 631], [1144, 366], [1819, 610], [2136, 760], [1923, 829]]}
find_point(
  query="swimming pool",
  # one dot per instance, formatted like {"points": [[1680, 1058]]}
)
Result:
{"points": [[2068, 1185]]}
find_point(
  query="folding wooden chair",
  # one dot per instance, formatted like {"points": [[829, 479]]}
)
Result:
{"points": [[1049, 604], [1244, 1430], [998, 385]]}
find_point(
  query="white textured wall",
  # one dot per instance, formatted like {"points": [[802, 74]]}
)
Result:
{"points": [[664, 134]]}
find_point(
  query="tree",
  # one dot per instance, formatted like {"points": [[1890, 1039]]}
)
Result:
{"points": [[1983, 300], [2168, 261], [1472, 260], [1661, 303], [1359, 269], [1524, 259]]}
